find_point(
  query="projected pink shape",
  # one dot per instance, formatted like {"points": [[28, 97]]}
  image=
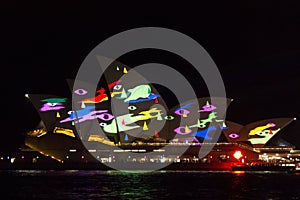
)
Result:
{"points": [[51, 106], [80, 92], [182, 112], [234, 135], [184, 128], [96, 114], [207, 108]]}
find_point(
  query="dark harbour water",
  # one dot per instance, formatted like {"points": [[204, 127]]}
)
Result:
{"points": [[73, 184]]}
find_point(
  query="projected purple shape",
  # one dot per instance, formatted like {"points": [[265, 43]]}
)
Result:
{"points": [[51, 106], [234, 135], [271, 124], [184, 128], [207, 108], [81, 92], [96, 114], [182, 112]]}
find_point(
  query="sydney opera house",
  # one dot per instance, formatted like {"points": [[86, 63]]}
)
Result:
{"points": [[125, 125]]}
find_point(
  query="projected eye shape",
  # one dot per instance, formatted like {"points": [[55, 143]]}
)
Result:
{"points": [[81, 92], [117, 87], [233, 135], [51, 104], [182, 130], [131, 107], [182, 112], [263, 133], [105, 116], [102, 124], [169, 117], [70, 112]]}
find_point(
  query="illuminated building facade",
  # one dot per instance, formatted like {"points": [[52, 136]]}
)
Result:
{"points": [[90, 131]]}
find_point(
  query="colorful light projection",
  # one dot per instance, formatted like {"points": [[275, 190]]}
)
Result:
{"points": [[260, 135], [96, 114], [234, 135], [139, 98], [124, 121], [137, 94], [263, 136], [205, 131], [132, 94], [182, 111], [183, 130], [149, 114], [200, 133], [152, 96], [140, 91], [102, 96], [259, 129], [257, 133], [208, 107], [203, 122], [260, 132], [53, 104]]}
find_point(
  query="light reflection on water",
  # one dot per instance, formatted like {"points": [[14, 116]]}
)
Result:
{"points": [[93, 184]]}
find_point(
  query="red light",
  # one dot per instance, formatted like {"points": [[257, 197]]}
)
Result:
{"points": [[238, 154]]}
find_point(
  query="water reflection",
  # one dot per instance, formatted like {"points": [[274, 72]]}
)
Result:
{"points": [[239, 188], [138, 185], [74, 184]]}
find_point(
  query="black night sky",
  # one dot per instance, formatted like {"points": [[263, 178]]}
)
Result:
{"points": [[256, 46]]}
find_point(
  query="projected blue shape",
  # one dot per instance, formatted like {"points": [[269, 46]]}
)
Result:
{"points": [[204, 133], [126, 137], [150, 97], [82, 112], [188, 105]]}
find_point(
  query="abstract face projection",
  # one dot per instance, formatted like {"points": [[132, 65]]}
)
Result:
{"points": [[259, 129], [262, 134]]}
